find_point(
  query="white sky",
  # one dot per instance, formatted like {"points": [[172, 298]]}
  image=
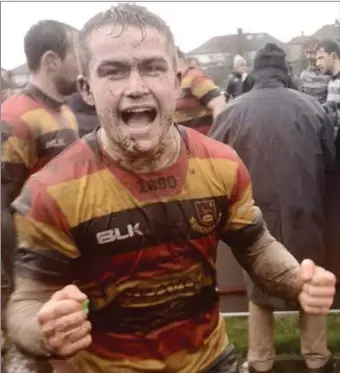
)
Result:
{"points": [[192, 23]]}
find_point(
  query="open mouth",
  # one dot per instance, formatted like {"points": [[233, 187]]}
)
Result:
{"points": [[138, 117]]}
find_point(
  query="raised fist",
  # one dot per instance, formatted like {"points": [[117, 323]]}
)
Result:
{"points": [[64, 323], [318, 289]]}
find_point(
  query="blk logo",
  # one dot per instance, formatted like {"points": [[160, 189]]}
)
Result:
{"points": [[116, 234]]}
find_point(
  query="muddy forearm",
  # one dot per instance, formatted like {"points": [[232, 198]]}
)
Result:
{"points": [[271, 266], [23, 327]]}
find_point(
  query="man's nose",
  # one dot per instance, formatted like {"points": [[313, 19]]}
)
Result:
{"points": [[136, 86]]}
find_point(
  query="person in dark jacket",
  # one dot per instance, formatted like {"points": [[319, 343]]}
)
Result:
{"points": [[286, 140], [233, 84], [85, 114], [249, 82]]}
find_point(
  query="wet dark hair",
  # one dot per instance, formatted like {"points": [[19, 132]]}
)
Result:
{"points": [[123, 14], [46, 35], [330, 46]]}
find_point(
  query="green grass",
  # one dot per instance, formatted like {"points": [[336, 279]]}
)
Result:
{"points": [[287, 335]]}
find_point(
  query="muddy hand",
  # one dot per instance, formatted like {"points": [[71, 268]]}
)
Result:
{"points": [[64, 324], [318, 288]]}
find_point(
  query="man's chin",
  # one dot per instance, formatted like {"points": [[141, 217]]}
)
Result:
{"points": [[67, 90], [146, 148]]}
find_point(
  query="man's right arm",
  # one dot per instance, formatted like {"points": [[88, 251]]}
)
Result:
{"points": [[23, 326], [44, 263], [17, 154], [204, 89]]}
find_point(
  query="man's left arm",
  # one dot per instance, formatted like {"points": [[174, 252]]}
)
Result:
{"points": [[209, 94], [267, 261]]}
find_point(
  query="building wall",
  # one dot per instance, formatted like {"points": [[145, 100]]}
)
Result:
{"points": [[294, 52], [206, 59]]}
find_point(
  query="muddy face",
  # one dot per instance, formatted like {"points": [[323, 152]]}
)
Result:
{"points": [[134, 86]]}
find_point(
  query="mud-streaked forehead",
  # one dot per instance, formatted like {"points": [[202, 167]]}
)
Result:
{"points": [[109, 43]]}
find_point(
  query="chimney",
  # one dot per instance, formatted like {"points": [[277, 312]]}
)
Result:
{"points": [[240, 42], [337, 22], [302, 33]]}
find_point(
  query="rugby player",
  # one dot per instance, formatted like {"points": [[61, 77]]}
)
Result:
{"points": [[200, 100], [129, 219], [35, 123]]}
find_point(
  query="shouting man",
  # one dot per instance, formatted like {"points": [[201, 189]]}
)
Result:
{"points": [[129, 219]]}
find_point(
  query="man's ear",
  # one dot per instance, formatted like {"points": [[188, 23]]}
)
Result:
{"points": [[85, 90], [178, 82], [334, 56], [51, 61]]}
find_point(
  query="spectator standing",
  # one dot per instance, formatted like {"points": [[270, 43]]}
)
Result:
{"points": [[286, 140]]}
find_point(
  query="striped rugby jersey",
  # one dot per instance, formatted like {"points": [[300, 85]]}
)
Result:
{"points": [[142, 247], [197, 90], [314, 83], [34, 129]]}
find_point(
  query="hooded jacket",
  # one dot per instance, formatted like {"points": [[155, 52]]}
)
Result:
{"points": [[286, 140]]}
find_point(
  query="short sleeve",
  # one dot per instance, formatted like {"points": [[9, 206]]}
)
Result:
{"points": [[18, 153], [46, 250], [204, 89], [245, 221]]}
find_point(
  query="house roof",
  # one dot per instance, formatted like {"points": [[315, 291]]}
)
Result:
{"points": [[21, 69], [229, 43], [299, 39], [328, 32]]}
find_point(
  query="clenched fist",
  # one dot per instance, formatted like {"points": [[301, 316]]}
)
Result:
{"points": [[64, 323], [318, 289]]}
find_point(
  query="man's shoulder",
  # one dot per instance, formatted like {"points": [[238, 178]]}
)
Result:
{"points": [[18, 105], [193, 76], [76, 162], [194, 72], [202, 146]]}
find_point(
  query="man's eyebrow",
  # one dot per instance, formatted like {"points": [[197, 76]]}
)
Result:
{"points": [[124, 63], [153, 60], [106, 64], [109, 63]]}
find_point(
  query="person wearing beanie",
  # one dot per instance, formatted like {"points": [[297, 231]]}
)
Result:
{"points": [[233, 84], [268, 126]]}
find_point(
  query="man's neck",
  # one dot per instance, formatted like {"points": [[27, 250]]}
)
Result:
{"points": [[164, 156], [336, 69], [313, 66], [46, 86]]}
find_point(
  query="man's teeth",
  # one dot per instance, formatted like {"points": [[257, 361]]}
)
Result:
{"points": [[141, 110]]}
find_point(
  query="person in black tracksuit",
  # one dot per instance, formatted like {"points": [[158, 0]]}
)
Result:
{"points": [[233, 85]]}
